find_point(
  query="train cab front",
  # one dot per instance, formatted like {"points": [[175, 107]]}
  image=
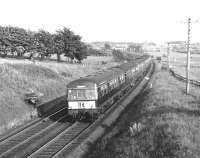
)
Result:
{"points": [[82, 97]]}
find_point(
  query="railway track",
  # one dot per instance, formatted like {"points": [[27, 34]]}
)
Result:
{"points": [[31, 124], [16, 141], [53, 136], [59, 142]]}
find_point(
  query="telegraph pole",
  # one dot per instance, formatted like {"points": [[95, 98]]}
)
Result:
{"points": [[188, 54], [188, 58]]}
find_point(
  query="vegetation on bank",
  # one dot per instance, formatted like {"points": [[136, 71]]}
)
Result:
{"points": [[17, 77], [168, 124], [121, 56]]}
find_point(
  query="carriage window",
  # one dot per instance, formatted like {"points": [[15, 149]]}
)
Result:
{"points": [[121, 78], [103, 89], [81, 94]]}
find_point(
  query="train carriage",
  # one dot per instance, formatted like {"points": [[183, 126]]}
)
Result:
{"points": [[85, 95]]}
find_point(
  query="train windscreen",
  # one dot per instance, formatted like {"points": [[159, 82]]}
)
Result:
{"points": [[82, 94]]}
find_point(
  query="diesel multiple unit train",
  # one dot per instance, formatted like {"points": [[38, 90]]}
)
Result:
{"points": [[85, 96]]}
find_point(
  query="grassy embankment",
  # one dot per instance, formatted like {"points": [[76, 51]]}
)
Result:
{"points": [[49, 78], [170, 124]]}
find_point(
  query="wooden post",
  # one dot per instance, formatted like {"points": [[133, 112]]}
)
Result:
{"points": [[188, 59]]}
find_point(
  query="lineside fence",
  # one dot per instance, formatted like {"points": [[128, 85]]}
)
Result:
{"points": [[181, 78]]}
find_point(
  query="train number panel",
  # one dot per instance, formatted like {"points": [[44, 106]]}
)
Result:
{"points": [[75, 105]]}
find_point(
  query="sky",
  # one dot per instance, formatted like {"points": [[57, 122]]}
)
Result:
{"points": [[107, 20]]}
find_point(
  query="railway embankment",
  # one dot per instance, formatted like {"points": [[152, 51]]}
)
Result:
{"points": [[17, 77], [163, 121]]}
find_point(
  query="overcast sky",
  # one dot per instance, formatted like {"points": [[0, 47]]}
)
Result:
{"points": [[106, 20]]}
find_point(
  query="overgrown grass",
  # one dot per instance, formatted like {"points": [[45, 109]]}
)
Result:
{"points": [[49, 78], [170, 124]]}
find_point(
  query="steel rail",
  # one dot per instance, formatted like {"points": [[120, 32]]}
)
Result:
{"points": [[35, 141], [59, 142], [26, 126]]}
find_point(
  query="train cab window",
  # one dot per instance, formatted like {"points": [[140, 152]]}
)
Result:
{"points": [[81, 94], [99, 92], [121, 78], [116, 82]]}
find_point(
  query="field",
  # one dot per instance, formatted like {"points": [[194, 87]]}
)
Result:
{"points": [[168, 124], [17, 77], [178, 61]]}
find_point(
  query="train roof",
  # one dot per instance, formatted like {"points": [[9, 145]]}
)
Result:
{"points": [[105, 75]]}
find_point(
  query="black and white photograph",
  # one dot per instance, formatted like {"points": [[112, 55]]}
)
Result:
{"points": [[99, 79]]}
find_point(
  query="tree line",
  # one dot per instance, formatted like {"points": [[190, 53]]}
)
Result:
{"points": [[121, 56], [21, 43]]}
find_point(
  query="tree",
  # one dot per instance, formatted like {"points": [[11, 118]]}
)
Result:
{"points": [[107, 46], [71, 45], [68, 42], [19, 42], [81, 52], [44, 43], [58, 45], [13, 38], [118, 55]]}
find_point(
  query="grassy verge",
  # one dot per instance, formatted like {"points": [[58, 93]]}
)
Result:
{"points": [[49, 78], [168, 124]]}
